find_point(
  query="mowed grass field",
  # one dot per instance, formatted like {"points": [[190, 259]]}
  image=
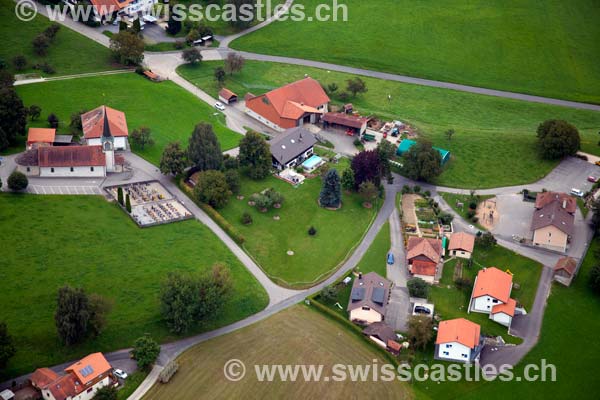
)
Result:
{"points": [[170, 111], [70, 53], [84, 241], [296, 336], [315, 257], [375, 259], [548, 48], [495, 140], [568, 340]]}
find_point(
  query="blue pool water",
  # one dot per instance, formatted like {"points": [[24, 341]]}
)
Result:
{"points": [[313, 161]]}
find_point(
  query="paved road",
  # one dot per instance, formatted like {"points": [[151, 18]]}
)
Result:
{"points": [[398, 310]]}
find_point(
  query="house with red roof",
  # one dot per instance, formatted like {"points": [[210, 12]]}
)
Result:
{"points": [[565, 270], [458, 340], [461, 245], [79, 382], [553, 221], [40, 137], [491, 295], [423, 257], [104, 123], [295, 104]]}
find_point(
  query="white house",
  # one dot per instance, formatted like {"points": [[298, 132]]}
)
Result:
{"points": [[458, 340], [461, 245], [491, 295], [80, 381], [105, 122], [368, 299]]}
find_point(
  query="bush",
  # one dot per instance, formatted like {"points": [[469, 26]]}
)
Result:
{"points": [[486, 240], [406, 189], [473, 205], [427, 193], [312, 231], [463, 284], [594, 279], [246, 218], [47, 68], [53, 120], [140, 70], [168, 371], [275, 197], [470, 214], [19, 62], [179, 44], [145, 352], [222, 222], [329, 294], [446, 218], [417, 287], [357, 142], [417, 189], [17, 181]]}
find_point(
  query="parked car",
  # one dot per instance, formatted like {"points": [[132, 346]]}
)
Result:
{"points": [[577, 192], [219, 106], [390, 258], [119, 373], [421, 310], [592, 179]]}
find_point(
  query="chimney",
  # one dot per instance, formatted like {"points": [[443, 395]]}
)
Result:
{"points": [[565, 203], [360, 275]]}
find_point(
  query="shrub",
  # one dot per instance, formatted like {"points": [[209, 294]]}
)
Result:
{"points": [[486, 240], [357, 142], [417, 287], [417, 189], [53, 120], [473, 205], [427, 193], [329, 294], [463, 284], [179, 44], [47, 68], [40, 44], [17, 181], [263, 202], [406, 189], [246, 218], [274, 196], [19, 62], [222, 222], [312, 231], [470, 214], [446, 218], [128, 203]]}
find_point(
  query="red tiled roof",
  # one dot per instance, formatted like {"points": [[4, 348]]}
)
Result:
{"points": [[284, 105], [507, 308], [226, 94], [493, 282], [430, 248], [42, 377], [546, 198], [93, 122], [41, 135], [462, 241], [566, 263], [552, 214], [71, 156], [459, 330], [104, 7], [392, 344], [65, 387], [150, 75], [420, 267], [344, 119], [89, 368]]}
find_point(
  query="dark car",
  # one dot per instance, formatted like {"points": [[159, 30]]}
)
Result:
{"points": [[422, 310]]}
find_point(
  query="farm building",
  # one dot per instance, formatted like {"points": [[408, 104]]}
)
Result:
{"points": [[354, 123], [227, 96], [565, 270], [406, 144]]}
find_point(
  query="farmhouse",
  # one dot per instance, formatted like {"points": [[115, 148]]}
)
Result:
{"points": [[368, 299], [80, 381], [356, 124], [461, 245], [458, 340], [565, 270], [491, 295], [227, 96], [553, 220], [104, 124], [292, 105], [423, 256], [291, 148]]}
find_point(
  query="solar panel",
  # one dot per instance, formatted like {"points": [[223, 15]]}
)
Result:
{"points": [[378, 295], [358, 294], [87, 370]]}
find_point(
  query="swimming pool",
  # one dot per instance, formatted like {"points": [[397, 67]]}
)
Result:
{"points": [[313, 162]]}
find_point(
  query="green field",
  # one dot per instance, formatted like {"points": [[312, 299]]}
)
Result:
{"points": [[453, 303], [170, 111], [494, 143], [375, 259], [296, 336], [50, 241], [71, 53], [568, 340], [548, 48], [315, 257]]}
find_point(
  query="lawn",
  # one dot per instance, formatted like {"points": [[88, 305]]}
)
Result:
{"points": [[50, 241], [494, 143], [375, 259], [548, 48], [315, 257], [71, 53], [296, 336], [170, 111], [568, 340], [451, 302]]}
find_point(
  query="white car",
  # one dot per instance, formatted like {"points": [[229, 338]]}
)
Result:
{"points": [[119, 373], [577, 192], [219, 106]]}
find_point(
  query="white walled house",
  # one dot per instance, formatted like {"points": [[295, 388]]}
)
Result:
{"points": [[504, 313], [458, 340], [368, 299], [105, 122], [491, 295]]}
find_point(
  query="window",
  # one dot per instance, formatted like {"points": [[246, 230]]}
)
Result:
{"points": [[71, 169], [448, 346], [51, 169], [92, 169], [366, 308], [488, 307], [464, 355], [28, 169], [494, 301], [446, 353]]}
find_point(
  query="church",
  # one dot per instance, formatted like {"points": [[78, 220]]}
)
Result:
{"points": [[104, 132]]}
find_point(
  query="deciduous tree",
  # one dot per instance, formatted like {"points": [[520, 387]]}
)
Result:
{"points": [[53, 120], [173, 160], [19, 62], [422, 162], [255, 155], [212, 188], [557, 139], [348, 179], [420, 331], [72, 315], [127, 48], [41, 43], [145, 352], [356, 86], [234, 63], [366, 167], [220, 75], [142, 137], [34, 112], [191, 55], [13, 116]]}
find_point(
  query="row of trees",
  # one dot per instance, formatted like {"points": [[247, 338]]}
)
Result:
{"points": [[354, 86]]}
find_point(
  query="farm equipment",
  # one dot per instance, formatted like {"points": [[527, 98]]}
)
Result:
{"points": [[368, 137]]}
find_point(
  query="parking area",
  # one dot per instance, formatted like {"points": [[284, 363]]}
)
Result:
{"points": [[570, 173], [64, 190], [514, 216]]}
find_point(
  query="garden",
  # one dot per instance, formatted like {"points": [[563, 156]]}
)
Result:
{"points": [[494, 143]]}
